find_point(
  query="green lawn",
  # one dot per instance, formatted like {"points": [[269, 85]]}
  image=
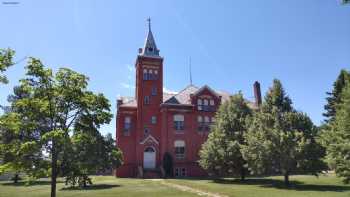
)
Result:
{"points": [[106, 186]]}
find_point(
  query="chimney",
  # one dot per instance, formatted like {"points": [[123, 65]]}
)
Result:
{"points": [[257, 93], [119, 102]]}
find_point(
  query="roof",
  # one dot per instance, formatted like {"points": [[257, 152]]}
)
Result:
{"points": [[183, 97]]}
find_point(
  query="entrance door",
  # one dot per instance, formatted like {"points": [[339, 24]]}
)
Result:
{"points": [[149, 158]]}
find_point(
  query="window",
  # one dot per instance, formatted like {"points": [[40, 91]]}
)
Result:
{"points": [[154, 120], [200, 123], [145, 74], [206, 119], [180, 172], [199, 103], [154, 91], [155, 74], [179, 122], [146, 100], [204, 123], [200, 119], [146, 131], [212, 102], [205, 102], [213, 120], [150, 75], [179, 149], [127, 126]]}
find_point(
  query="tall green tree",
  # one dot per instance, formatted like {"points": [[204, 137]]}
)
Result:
{"points": [[221, 153], [334, 97], [281, 140], [53, 105], [90, 154], [6, 56], [336, 138]]}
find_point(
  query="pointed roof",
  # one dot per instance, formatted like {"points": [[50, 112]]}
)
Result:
{"points": [[150, 47]]}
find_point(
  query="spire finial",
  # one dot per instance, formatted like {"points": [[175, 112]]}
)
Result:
{"points": [[149, 23], [190, 72]]}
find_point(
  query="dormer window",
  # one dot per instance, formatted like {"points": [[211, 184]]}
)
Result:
{"points": [[212, 102], [205, 102], [150, 49]]}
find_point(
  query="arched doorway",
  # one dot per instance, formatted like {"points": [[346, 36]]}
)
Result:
{"points": [[149, 158]]}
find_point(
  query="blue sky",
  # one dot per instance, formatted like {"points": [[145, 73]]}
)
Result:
{"points": [[231, 43]]}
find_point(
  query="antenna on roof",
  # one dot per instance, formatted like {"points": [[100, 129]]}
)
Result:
{"points": [[190, 71]]}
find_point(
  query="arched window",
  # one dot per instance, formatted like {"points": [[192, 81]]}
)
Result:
{"points": [[179, 122], [213, 119], [145, 74], [206, 119], [150, 74], [149, 149], [179, 149], [200, 119]]}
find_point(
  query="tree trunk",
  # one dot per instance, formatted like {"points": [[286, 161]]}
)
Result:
{"points": [[53, 169], [242, 174], [16, 178], [286, 179]]}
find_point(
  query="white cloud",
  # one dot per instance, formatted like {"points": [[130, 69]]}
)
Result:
{"points": [[165, 90], [127, 86]]}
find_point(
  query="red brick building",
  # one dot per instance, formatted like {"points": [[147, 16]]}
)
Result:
{"points": [[153, 122]]}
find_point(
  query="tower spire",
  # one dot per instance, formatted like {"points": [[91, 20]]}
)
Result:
{"points": [[149, 23], [150, 47]]}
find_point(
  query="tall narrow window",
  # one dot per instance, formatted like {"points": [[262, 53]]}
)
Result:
{"points": [[154, 91], [179, 149], [155, 74], [150, 75], [127, 126], [199, 104], [200, 123], [146, 100], [179, 122], [206, 123], [145, 74]]}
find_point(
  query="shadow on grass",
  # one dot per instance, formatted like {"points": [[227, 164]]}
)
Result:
{"points": [[279, 184], [91, 187], [23, 183]]}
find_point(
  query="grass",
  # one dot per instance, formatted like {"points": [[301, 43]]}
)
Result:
{"points": [[106, 186], [301, 186]]}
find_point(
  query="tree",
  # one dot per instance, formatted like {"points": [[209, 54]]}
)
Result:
{"points": [[280, 139], [53, 106], [221, 153], [334, 97], [6, 56], [17, 152], [336, 139], [345, 1], [90, 154]]}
